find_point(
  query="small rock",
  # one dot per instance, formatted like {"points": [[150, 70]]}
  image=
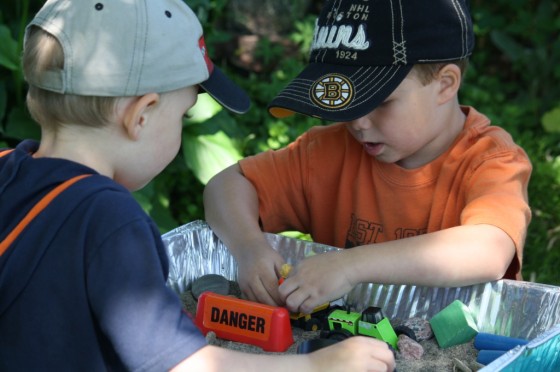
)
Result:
{"points": [[189, 303], [421, 328], [409, 349], [234, 289], [211, 338], [210, 282]]}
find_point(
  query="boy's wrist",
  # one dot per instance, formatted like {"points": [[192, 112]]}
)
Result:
{"points": [[249, 245], [350, 267]]}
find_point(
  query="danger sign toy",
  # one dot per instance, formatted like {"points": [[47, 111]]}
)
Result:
{"points": [[267, 327]]}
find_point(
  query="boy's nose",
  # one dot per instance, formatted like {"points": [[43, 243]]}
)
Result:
{"points": [[361, 123]]}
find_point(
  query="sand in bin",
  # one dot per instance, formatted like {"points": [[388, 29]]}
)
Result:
{"points": [[456, 358]]}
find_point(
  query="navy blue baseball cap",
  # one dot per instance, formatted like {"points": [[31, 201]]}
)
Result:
{"points": [[362, 50]]}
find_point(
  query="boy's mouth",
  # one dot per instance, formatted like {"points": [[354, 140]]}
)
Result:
{"points": [[373, 148]]}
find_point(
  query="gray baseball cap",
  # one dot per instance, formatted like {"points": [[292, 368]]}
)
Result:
{"points": [[115, 48]]}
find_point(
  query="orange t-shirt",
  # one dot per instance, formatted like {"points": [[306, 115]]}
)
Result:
{"points": [[326, 185]]}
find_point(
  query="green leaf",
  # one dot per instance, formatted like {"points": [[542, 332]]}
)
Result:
{"points": [[21, 126], [220, 122], [156, 204], [209, 117], [3, 99], [9, 57], [162, 214], [551, 121], [205, 108], [209, 154], [206, 146], [143, 199], [507, 45]]}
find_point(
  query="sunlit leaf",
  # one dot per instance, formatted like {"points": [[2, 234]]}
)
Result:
{"points": [[551, 121], [209, 154], [205, 108], [556, 167]]}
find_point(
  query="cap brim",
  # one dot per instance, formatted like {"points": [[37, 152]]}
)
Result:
{"points": [[226, 92], [336, 92]]}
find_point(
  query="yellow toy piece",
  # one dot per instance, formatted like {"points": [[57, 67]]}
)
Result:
{"points": [[285, 270]]}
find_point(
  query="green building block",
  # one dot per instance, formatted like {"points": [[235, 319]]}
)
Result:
{"points": [[454, 325]]}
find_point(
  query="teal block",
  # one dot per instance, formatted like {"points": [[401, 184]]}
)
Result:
{"points": [[454, 325]]}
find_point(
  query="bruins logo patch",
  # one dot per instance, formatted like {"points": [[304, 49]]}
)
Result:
{"points": [[332, 91]]}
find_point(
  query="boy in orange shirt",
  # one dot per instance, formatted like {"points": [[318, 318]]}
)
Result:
{"points": [[83, 269], [425, 190]]}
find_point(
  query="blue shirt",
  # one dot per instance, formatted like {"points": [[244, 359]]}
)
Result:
{"points": [[84, 286]]}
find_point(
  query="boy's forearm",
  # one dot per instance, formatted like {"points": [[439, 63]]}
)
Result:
{"points": [[457, 256], [213, 358], [232, 211], [354, 354]]}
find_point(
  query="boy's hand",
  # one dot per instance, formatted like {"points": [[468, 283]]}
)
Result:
{"points": [[258, 278], [356, 353], [317, 280]]}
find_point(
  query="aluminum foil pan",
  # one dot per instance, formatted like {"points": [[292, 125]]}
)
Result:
{"points": [[505, 307]]}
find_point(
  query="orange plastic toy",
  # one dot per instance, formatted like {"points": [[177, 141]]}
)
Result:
{"points": [[244, 321]]}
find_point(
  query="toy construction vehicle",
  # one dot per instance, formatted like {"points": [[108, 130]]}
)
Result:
{"points": [[370, 322]]}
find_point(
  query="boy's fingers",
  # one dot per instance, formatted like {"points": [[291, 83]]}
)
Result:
{"points": [[296, 300], [259, 293]]}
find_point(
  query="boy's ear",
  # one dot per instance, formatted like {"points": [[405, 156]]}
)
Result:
{"points": [[449, 78], [136, 115]]}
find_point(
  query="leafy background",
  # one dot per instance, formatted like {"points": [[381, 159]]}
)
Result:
{"points": [[514, 78]]}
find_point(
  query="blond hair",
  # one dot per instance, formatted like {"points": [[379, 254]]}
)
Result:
{"points": [[42, 52]]}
